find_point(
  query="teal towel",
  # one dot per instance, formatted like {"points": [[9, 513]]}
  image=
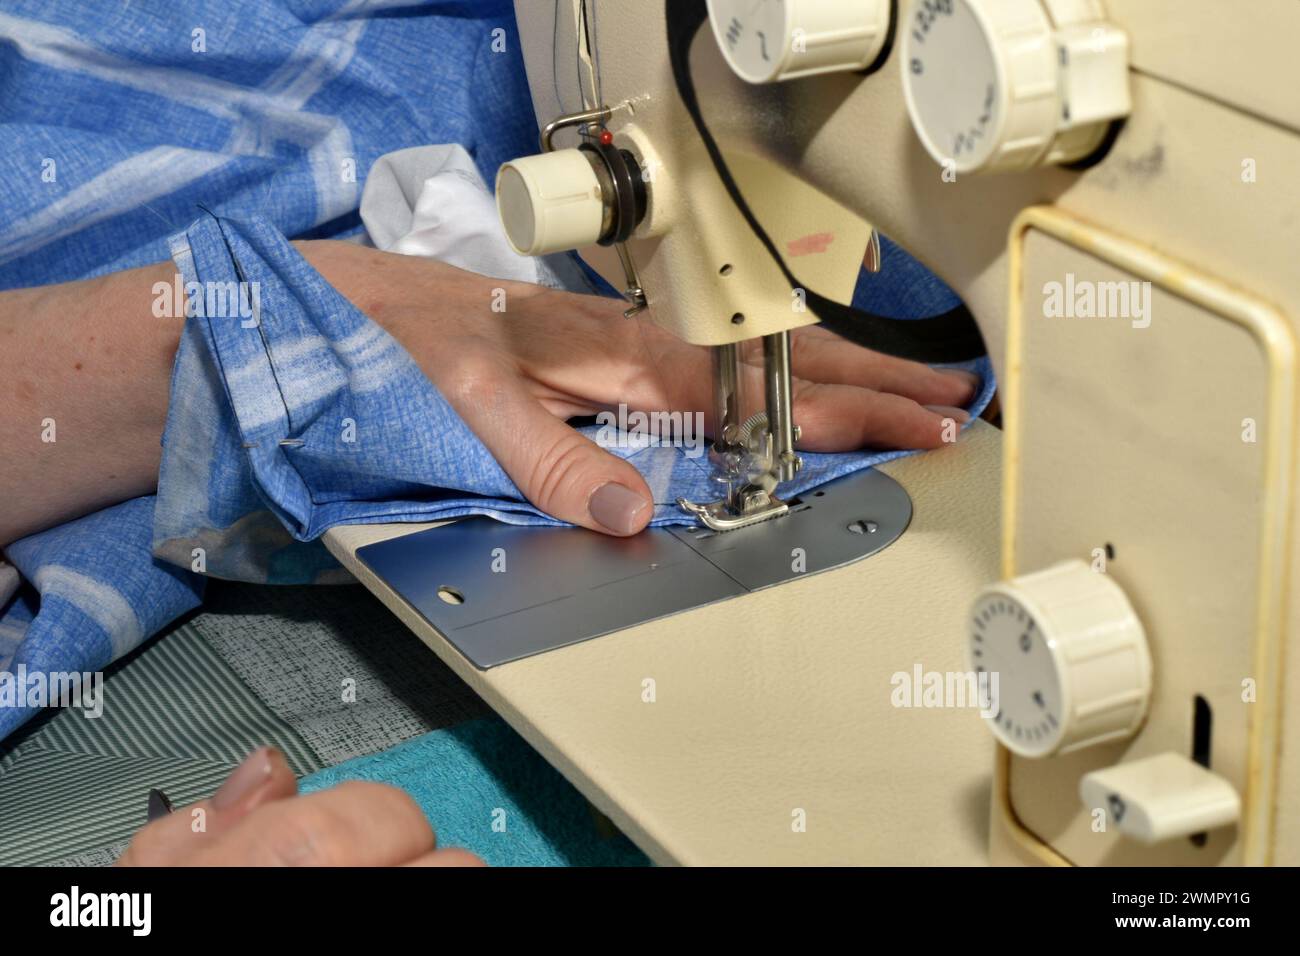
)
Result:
{"points": [[483, 788]]}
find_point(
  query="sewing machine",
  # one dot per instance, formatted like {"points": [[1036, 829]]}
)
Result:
{"points": [[1109, 189]]}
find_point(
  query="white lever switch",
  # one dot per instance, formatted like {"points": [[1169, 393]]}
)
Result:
{"points": [[1161, 798]]}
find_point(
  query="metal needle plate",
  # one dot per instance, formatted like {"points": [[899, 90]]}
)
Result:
{"points": [[499, 592]]}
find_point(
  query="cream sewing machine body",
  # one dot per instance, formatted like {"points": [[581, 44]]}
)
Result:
{"points": [[1130, 589]]}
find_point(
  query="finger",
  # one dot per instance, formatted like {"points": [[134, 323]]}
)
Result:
{"points": [[843, 418], [263, 777], [353, 824], [448, 857], [822, 356], [560, 471], [818, 356]]}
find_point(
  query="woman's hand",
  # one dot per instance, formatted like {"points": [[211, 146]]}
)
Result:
{"points": [[257, 819], [515, 375], [85, 367]]}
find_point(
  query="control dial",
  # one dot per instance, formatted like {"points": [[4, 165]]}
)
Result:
{"points": [[765, 41], [551, 202], [1065, 659], [571, 198], [996, 85]]}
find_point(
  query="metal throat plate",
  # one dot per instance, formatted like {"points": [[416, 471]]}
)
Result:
{"points": [[500, 592]]}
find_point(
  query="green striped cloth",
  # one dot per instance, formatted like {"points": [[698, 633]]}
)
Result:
{"points": [[268, 665], [175, 717]]}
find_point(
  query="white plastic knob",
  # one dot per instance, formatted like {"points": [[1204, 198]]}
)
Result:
{"points": [[765, 41], [550, 202], [1070, 658], [997, 85]]}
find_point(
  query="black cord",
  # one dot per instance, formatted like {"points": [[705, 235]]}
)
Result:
{"points": [[950, 337]]}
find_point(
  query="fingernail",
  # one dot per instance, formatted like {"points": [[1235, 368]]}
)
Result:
{"points": [[617, 508], [947, 411], [969, 379], [248, 776]]}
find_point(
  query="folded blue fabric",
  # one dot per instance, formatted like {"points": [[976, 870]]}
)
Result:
{"points": [[94, 594], [312, 412], [485, 789], [117, 120]]}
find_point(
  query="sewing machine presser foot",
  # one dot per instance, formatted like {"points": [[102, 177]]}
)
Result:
{"points": [[718, 517]]}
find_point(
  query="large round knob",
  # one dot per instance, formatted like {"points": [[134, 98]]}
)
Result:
{"points": [[999, 85], [551, 202], [1064, 659], [769, 40]]}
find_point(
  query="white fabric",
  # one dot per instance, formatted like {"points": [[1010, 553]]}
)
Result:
{"points": [[431, 201]]}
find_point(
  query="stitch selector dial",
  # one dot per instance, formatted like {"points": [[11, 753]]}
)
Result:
{"points": [[1065, 660], [765, 41], [1011, 84]]}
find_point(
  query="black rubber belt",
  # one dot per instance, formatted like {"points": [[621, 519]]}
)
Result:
{"points": [[950, 337]]}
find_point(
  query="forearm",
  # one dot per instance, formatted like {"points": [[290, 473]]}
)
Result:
{"points": [[84, 375]]}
